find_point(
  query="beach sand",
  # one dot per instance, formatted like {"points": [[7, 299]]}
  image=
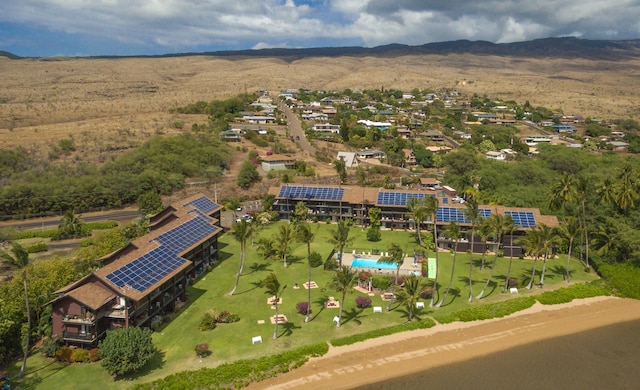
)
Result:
{"points": [[405, 354]]}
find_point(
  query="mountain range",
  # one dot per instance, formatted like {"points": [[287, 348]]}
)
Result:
{"points": [[565, 47]]}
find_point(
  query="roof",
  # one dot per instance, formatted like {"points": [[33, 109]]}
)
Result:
{"points": [[91, 295], [276, 157], [349, 158]]}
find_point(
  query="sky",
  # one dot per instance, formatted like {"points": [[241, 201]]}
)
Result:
{"points": [[42, 28]]}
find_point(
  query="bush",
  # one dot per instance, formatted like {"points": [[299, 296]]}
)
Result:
{"points": [[484, 312], [315, 259], [39, 247], [50, 346], [576, 291], [426, 293], [126, 350], [302, 307], [209, 321], [419, 324], [381, 282], [80, 355], [363, 302], [623, 278], [203, 349], [64, 355], [373, 234], [227, 318], [513, 282], [94, 354]]}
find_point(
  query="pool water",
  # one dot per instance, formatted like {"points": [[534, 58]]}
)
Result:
{"points": [[368, 263]]}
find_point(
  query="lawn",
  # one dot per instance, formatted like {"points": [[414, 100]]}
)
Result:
{"points": [[177, 339]]}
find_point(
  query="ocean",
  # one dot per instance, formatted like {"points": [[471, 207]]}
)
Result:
{"points": [[602, 358]]}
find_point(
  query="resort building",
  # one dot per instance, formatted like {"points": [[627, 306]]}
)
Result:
{"points": [[138, 284], [333, 203]]}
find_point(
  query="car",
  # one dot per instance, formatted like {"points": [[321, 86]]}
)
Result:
{"points": [[247, 217], [239, 208]]}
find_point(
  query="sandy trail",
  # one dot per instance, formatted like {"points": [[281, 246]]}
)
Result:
{"points": [[405, 353]]}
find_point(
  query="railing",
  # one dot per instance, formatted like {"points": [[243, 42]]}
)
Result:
{"points": [[78, 320], [79, 336]]}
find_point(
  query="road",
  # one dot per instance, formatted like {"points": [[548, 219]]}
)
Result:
{"points": [[295, 129], [123, 215]]}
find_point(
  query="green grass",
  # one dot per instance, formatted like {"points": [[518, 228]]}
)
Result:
{"points": [[230, 342]]}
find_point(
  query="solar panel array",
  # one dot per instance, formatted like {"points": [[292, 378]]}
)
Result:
{"points": [[149, 268], [397, 198], [302, 192], [525, 219], [454, 214], [203, 204]]}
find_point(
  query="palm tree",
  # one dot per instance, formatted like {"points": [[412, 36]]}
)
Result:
{"points": [[267, 248], [284, 239], [304, 235], [396, 256], [548, 240], [343, 280], [18, 256], [485, 230], [272, 287], [582, 190], [606, 192], [606, 237], [563, 191], [409, 292], [453, 232], [241, 231], [419, 212], [72, 226], [431, 204], [472, 212], [340, 238], [569, 229], [531, 243], [509, 225], [496, 223]]}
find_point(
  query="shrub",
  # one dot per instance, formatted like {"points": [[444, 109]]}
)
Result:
{"points": [[64, 355], [381, 282], [94, 354], [80, 355], [576, 291], [302, 307], [426, 293], [419, 324], [50, 346], [363, 302], [364, 275], [623, 278], [209, 320], [513, 282], [492, 310], [315, 259], [226, 318], [373, 234], [39, 247], [203, 349], [126, 350]]}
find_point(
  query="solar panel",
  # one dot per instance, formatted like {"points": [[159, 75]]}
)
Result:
{"points": [[203, 204], [525, 219], [152, 266], [398, 198], [455, 214], [302, 192]]}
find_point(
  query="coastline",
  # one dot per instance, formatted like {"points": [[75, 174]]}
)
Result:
{"points": [[407, 353]]}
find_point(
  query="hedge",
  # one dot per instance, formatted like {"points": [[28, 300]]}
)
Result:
{"points": [[484, 312], [424, 323], [595, 288]]}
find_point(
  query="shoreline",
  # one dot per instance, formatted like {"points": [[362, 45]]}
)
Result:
{"points": [[406, 353]]}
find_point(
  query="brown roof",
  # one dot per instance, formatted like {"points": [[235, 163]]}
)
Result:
{"points": [[91, 295], [429, 180], [277, 157]]}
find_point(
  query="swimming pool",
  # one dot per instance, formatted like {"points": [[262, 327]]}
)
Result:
{"points": [[368, 263]]}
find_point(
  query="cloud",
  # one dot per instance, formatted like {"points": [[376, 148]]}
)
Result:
{"points": [[181, 25]]}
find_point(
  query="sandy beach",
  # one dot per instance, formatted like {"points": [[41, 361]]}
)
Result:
{"points": [[381, 359]]}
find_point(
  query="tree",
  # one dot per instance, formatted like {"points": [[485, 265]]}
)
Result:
{"points": [[373, 234], [563, 191], [272, 287], [531, 243], [340, 238], [283, 242], [472, 212], [409, 293], [509, 226], [343, 280], [341, 169], [241, 231], [71, 227], [18, 257], [126, 350], [247, 175], [419, 212], [305, 236], [453, 232], [569, 229], [485, 230], [548, 240], [395, 256], [149, 203], [431, 204]]}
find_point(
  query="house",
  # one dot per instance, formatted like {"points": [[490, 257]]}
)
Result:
{"points": [[366, 154], [277, 161], [379, 125], [139, 283], [563, 128], [496, 155], [351, 162], [326, 128], [430, 183], [232, 135], [259, 119], [404, 132], [619, 146], [433, 135], [409, 157], [438, 149]]}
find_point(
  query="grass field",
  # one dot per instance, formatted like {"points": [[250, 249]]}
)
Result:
{"points": [[228, 342]]}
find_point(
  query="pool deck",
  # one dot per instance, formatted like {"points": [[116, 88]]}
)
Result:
{"points": [[406, 268]]}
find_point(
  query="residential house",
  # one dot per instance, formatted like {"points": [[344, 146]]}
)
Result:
{"points": [[350, 160], [409, 157], [277, 161], [141, 282], [326, 128], [493, 155], [367, 154]]}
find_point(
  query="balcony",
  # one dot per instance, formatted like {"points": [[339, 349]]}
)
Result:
{"points": [[76, 319], [78, 336]]}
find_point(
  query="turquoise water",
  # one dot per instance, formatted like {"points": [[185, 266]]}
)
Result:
{"points": [[368, 263]]}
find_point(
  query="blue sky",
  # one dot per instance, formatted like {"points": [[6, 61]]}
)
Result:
{"points": [[42, 28]]}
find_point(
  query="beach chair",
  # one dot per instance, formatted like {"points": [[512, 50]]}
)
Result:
{"points": [[377, 309], [256, 339]]}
